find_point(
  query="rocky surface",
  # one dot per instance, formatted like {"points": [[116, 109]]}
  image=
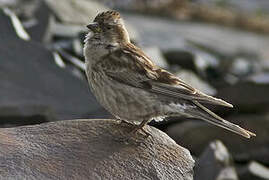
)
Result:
{"points": [[190, 78], [247, 96], [254, 170], [157, 57], [32, 85], [215, 163], [76, 12], [197, 135], [38, 26], [168, 34], [90, 149]]}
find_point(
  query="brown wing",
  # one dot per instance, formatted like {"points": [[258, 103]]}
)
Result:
{"points": [[131, 66]]}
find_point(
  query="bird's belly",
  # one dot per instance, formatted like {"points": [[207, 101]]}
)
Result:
{"points": [[126, 102]]}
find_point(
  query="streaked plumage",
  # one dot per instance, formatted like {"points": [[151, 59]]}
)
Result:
{"points": [[127, 83]]}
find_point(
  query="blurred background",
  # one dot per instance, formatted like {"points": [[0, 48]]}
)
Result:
{"points": [[218, 46]]}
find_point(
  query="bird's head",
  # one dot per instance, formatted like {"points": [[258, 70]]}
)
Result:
{"points": [[108, 26]]}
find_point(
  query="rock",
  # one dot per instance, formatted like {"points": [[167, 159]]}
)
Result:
{"points": [[16, 24], [40, 28], [182, 58], [76, 14], [156, 56], [215, 163], [265, 60], [248, 6], [204, 60], [259, 78], [197, 135], [76, 11], [246, 96], [22, 8], [196, 60], [91, 149], [253, 170], [138, 5], [66, 30], [7, 29], [169, 34], [32, 85], [193, 80], [8, 3], [241, 67]]}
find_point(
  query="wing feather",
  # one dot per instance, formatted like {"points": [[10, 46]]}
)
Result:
{"points": [[135, 69]]}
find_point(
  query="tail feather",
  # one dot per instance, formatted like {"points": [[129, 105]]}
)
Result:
{"points": [[212, 118]]}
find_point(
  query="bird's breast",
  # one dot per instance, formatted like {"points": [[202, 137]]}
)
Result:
{"points": [[121, 100]]}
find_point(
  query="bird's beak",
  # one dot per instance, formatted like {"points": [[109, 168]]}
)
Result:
{"points": [[94, 27]]}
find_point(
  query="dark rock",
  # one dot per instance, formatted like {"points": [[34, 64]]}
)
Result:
{"points": [[75, 12], [215, 163], [7, 29], [33, 85], [39, 31], [156, 56], [259, 78], [243, 67], [246, 96], [193, 80], [91, 149], [168, 34], [183, 58], [197, 135], [22, 8], [248, 6], [253, 170], [67, 30]]}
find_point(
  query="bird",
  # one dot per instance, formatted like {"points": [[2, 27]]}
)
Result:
{"points": [[132, 88]]}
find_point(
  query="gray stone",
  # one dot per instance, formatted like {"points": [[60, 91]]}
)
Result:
{"points": [[156, 56], [248, 6], [253, 170], [66, 30], [75, 11], [34, 87], [22, 8], [193, 80], [259, 78], [181, 57], [247, 96], [39, 31], [91, 149], [196, 135], [138, 5], [215, 163], [169, 34]]}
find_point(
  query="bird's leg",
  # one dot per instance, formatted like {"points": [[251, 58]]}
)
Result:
{"points": [[137, 127], [134, 130], [141, 126]]}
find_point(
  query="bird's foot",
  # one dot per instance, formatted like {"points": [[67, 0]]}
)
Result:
{"points": [[132, 135], [142, 129]]}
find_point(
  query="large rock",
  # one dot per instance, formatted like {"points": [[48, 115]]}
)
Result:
{"points": [[197, 135], [215, 163], [192, 79], [39, 30], [156, 56], [91, 149], [253, 170], [168, 34], [75, 12], [32, 85], [247, 96]]}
